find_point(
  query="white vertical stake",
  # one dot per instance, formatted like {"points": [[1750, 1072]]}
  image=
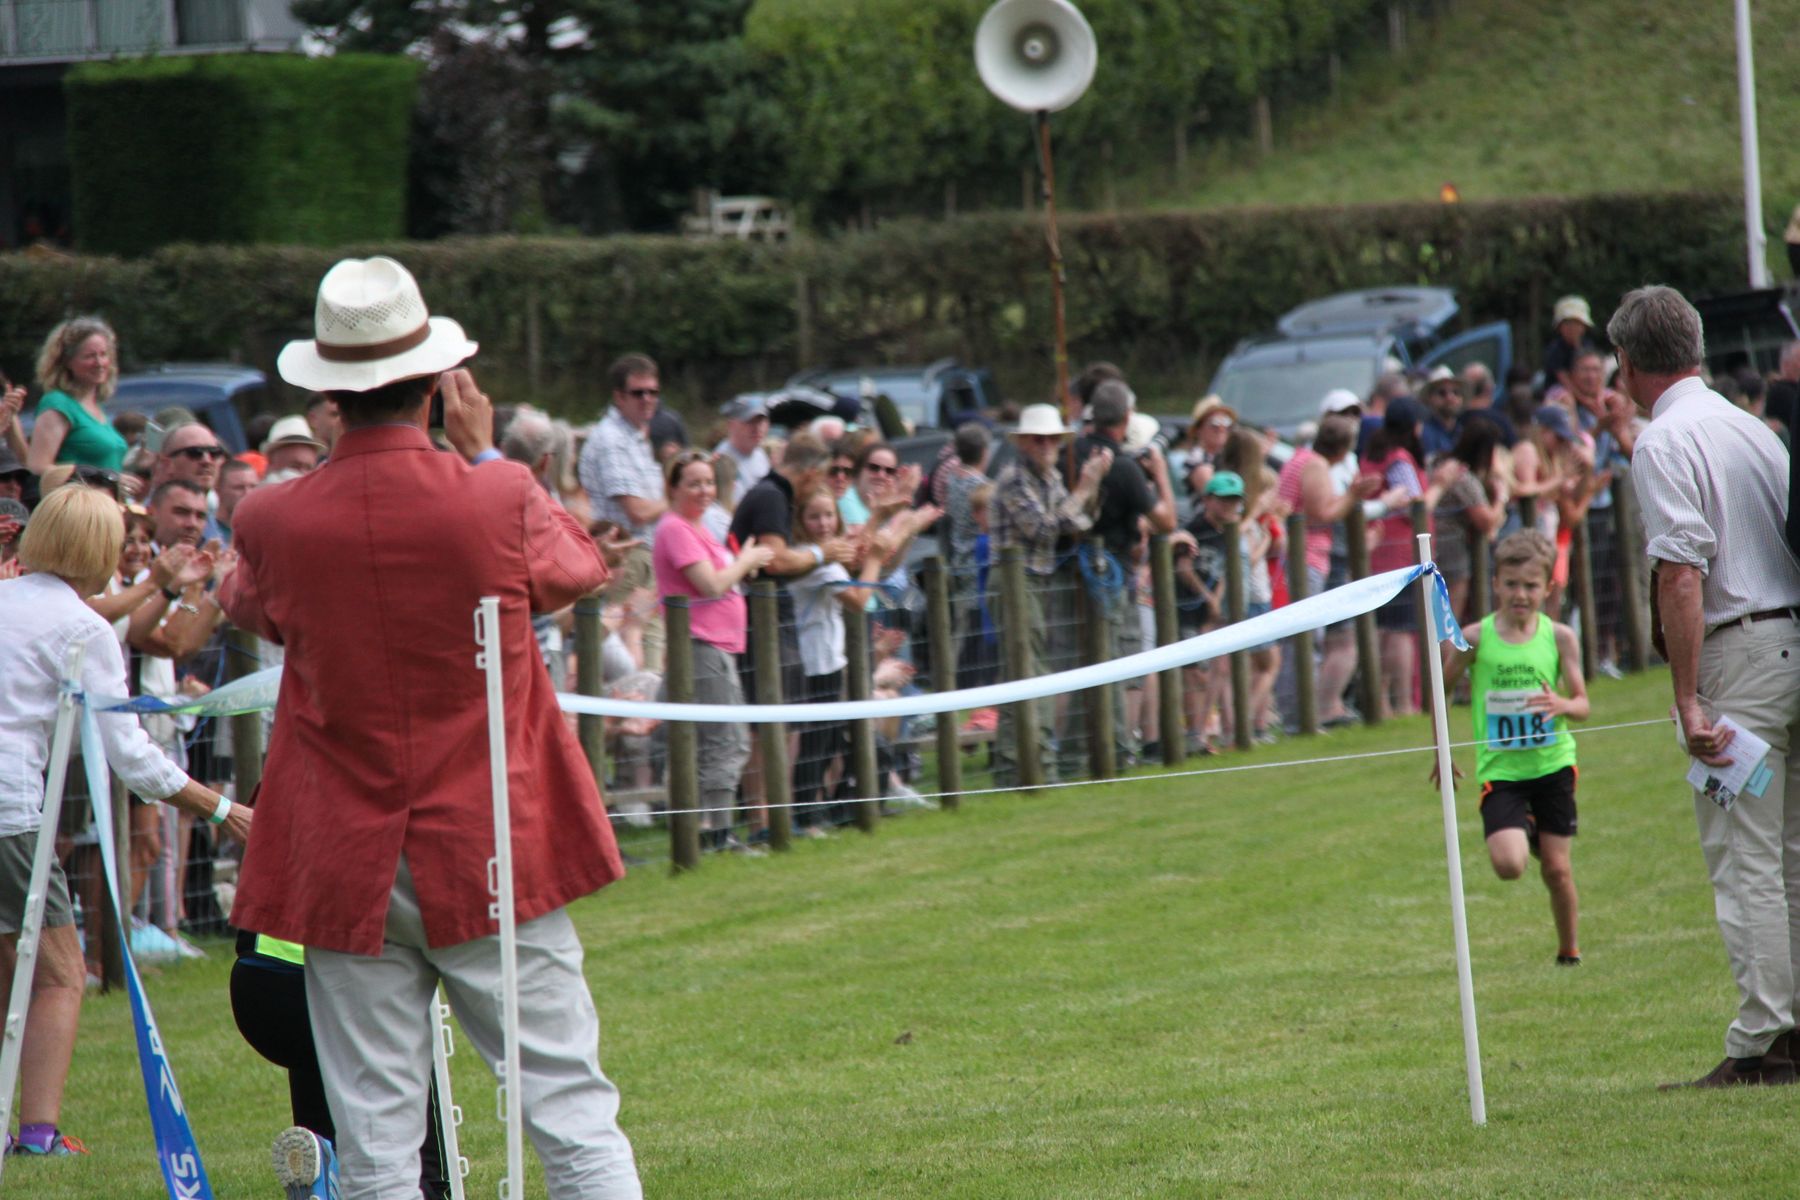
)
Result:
{"points": [[500, 883], [450, 1115], [31, 925], [1459, 919], [1755, 239]]}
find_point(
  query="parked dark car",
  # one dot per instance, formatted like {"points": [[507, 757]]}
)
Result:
{"points": [[1345, 341], [928, 397], [223, 395]]}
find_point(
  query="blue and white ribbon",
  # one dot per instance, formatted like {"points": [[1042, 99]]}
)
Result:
{"points": [[257, 692]]}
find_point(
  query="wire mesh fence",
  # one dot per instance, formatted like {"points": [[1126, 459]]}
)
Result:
{"points": [[931, 629]]}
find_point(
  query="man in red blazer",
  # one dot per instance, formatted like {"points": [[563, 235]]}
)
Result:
{"points": [[375, 819]]}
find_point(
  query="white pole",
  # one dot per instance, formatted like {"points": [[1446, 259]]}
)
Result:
{"points": [[1757, 241], [31, 924], [1459, 919], [450, 1116], [500, 883]]}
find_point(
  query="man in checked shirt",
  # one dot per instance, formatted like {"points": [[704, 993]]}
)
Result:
{"points": [[1713, 484]]}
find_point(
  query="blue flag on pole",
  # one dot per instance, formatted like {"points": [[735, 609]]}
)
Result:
{"points": [[176, 1151]]}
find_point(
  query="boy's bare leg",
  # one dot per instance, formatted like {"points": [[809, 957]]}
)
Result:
{"points": [[1559, 877], [1509, 851]]}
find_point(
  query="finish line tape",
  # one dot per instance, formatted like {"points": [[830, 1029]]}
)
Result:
{"points": [[255, 693]]}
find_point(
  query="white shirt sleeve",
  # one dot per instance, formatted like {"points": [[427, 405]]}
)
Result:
{"points": [[129, 750], [1676, 528]]}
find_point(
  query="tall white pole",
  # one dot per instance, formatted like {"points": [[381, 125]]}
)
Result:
{"points": [[1756, 241], [500, 883], [1459, 919]]}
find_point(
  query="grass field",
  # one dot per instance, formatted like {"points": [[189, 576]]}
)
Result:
{"points": [[1529, 97], [1237, 985]]}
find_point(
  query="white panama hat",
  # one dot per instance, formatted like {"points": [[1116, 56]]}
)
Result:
{"points": [[291, 431], [372, 329], [1041, 420]]}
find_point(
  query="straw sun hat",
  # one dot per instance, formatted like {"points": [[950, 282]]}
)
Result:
{"points": [[372, 329]]}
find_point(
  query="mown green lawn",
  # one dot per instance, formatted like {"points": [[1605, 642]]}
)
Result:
{"points": [[1237, 985]]}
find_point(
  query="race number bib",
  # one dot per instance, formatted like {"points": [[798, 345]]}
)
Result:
{"points": [[1512, 726]]}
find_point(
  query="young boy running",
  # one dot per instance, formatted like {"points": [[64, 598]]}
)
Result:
{"points": [[1525, 760]]}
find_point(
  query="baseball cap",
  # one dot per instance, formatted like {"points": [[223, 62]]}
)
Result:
{"points": [[746, 407], [1226, 483], [1338, 400], [1553, 418]]}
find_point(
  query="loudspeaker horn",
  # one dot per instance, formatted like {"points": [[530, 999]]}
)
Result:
{"points": [[1036, 55]]}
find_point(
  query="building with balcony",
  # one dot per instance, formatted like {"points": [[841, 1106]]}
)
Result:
{"points": [[40, 39]]}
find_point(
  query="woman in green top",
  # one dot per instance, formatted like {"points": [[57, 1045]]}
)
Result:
{"points": [[77, 370]]}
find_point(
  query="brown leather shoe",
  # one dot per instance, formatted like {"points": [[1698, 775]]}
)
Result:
{"points": [[1782, 1047], [1767, 1071]]}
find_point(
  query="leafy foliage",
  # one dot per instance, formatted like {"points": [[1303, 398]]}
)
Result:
{"points": [[238, 148], [1163, 294], [884, 104]]}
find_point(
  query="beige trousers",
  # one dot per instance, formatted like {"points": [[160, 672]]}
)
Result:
{"points": [[1750, 672]]}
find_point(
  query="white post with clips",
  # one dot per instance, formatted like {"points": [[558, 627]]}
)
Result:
{"points": [[450, 1115], [500, 883], [1459, 917], [31, 926]]}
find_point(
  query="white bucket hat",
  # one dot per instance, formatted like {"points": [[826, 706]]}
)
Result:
{"points": [[1041, 420], [372, 329], [1572, 308], [291, 431]]}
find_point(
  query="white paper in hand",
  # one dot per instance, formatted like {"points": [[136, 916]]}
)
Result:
{"points": [[1747, 773]]}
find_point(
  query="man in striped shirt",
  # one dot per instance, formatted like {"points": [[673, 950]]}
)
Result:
{"points": [[1713, 484]]}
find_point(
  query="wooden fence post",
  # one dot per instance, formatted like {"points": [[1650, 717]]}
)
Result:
{"points": [[1481, 577], [684, 770], [1528, 511], [1368, 646], [777, 775], [940, 631], [243, 656], [1016, 639], [1097, 644], [1306, 689], [1631, 577], [1240, 659], [859, 685], [1581, 575], [590, 680], [1173, 732], [1421, 523]]}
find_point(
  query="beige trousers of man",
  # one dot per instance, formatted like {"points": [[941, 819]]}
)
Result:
{"points": [[371, 1023], [1750, 672]]}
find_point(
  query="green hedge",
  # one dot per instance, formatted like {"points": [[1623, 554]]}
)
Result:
{"points": [[249, 148], [1164, 294]]}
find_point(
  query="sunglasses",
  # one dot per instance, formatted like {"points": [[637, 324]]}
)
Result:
{"points": [[643, 393], [197, 453], [841, 472], [878, 469], [1220, 423]]}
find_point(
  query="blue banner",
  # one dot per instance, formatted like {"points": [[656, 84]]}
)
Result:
{"points": [[176, 1152]]}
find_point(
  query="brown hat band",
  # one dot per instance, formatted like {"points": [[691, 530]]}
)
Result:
{"points": [[375, 351]]}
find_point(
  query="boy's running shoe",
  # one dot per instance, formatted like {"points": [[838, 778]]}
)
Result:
{"points": [[58, 1145], [305, 1164]]}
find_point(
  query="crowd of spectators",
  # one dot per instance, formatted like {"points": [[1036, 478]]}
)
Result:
{"points": [[832, 513]]}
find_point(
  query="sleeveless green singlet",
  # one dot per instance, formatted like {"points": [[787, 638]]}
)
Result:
{"points": [[1519, 744]]}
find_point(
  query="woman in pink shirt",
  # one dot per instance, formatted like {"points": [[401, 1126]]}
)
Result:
{"points": [[690, 562]]}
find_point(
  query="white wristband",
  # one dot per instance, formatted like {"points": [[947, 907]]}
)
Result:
{"points": [[818, 553], [220, 813]]}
